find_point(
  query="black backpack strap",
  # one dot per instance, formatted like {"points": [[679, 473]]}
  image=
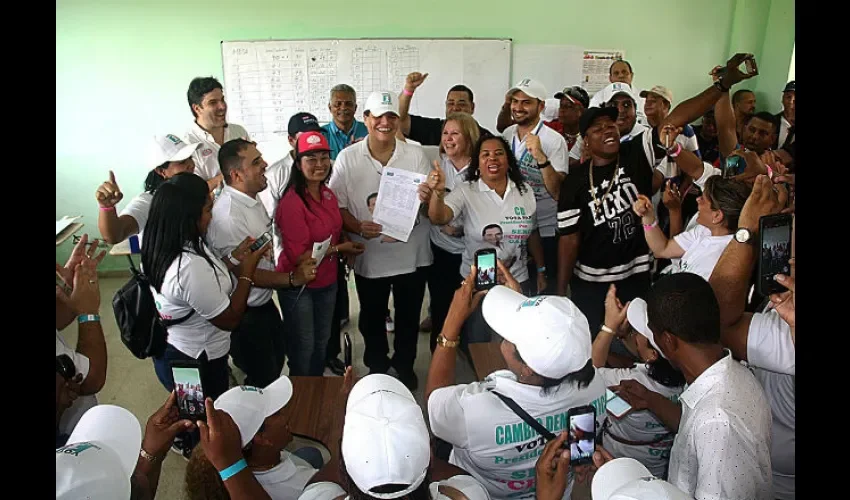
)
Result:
{"points": [[537, 426], [144, 280], [171, 322]]}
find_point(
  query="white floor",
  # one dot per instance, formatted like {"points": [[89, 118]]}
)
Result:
{"points": [[132, 384]]}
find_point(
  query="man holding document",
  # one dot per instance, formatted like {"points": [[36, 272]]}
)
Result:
{"points": [[396, 235]]}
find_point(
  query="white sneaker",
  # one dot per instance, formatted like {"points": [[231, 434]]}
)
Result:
{"points": [[390, 325]]}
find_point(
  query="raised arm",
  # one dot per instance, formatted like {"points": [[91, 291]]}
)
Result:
{"points": [[615, 317], [553, 166], [505, 120], [438, 212], [411, 83], [661, 247], [727, 135], [113, 228]]}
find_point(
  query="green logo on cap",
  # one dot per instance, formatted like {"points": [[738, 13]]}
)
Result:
{"points": [[386, 98], [173, 138], [77, 448]]}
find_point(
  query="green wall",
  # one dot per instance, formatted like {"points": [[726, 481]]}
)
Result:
{"points": [[122, 67]]}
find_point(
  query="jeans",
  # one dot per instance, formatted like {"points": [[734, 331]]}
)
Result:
{"points": [[340, 312], [258, 344], [550, 258], [307, 321], [215, 379], [374, 294], [443, 280]]}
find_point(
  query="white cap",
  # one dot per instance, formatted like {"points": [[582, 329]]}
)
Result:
{"points": [[384, 438], [169, 147], [628, 479], [550, 333], [531, 88], [615, 88], [468, 485], [250, 406], [636, 314], [101, 456], [381, 102]]}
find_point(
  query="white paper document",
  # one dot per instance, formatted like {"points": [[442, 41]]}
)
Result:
{"points": [[398, 202], [320, 249], [64, 222]]}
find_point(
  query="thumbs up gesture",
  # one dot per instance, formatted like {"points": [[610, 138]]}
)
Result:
{"points": [[437, 179], [532, 143], [109, 194]]}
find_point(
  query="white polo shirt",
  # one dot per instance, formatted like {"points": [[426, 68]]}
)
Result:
{"points": [[555, 148], [191, 283], [139, 208], [356, 176], [83, 403], [277, 175], [454, 178], [722, 449], [769, 344], [206, 156], [702, 251], [640, 426], [286, 480], [478, 206], [780, 392], [495, 445], [236, 216]]}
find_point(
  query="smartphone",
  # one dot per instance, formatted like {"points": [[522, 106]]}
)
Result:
{"points": [[733, 165], [615, 405], [750, 68], [347, 341], [582, 436], [65, 367], [186, 376], [485, 264], [774, 253], [259, 242]]}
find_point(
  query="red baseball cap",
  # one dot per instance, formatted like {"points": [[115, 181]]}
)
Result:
{"points": [[309, 142]]}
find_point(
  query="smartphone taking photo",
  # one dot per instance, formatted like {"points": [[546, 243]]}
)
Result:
{"points": [[774, 252], [186, 376], [582, 434], [485, 266], [259, 242], [615, 405]]}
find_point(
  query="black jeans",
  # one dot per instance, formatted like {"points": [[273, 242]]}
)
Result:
{"points": [[443, 279], [550, 257], [374, 294], [589, 297], [340, 313], [258, 345]]}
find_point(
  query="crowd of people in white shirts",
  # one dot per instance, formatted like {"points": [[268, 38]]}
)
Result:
{"points": [[581, 210]]}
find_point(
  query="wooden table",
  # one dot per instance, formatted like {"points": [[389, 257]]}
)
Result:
{"points": [[311, 410], [486, 358], [123, 249]]}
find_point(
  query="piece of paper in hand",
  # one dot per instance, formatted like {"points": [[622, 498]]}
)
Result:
{"points": [[320, 249], [397, 205]]}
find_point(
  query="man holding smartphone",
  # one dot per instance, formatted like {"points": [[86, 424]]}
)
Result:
{"points": [[257, 344]]}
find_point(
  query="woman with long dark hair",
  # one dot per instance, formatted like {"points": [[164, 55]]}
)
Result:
{"points": [[308, 213], [189, 281], [639, 434], [171, 156]]}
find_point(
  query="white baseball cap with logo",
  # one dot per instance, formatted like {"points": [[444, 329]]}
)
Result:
{"points": [[381, 102], [384, 438], [628, 479], [531, 88], [101, 455], [551, 334], [250, 406], [616, 88], [636, 314], [169, 147]]}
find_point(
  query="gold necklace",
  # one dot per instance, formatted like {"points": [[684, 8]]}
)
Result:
{"points": [[596, 201]]}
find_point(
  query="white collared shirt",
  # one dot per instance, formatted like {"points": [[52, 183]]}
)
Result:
{"points": [[702, 251], [277, 175], [356, 176], [478, 207], [236, 216], [286, 480], [206, 156], [454, 178], [139, 208], [722, 449]]}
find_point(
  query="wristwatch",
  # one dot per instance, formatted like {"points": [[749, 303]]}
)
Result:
{"points": [[442, 341], [743, 235], [720, 86], [544, 164]]}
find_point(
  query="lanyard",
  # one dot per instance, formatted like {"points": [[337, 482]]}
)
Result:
{"points": [[514, 146]]}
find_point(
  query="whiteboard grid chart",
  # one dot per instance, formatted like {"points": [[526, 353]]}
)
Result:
{"points": [[267, 81]]}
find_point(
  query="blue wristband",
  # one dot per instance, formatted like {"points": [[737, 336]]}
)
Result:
{"points": [[87, 318], [233, 470], [541, 269]]}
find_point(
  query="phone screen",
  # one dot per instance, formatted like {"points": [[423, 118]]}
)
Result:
{"points": [[347, 349], [733, 165], [190, 394], [582, 437], [262, 240], [485, 263], [616, 405], [775, 238]]}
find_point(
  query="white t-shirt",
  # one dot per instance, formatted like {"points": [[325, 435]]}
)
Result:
{"points": [[454, 178], [191, 283], [472, 489], [555, 148], [356, 177], [780, 392], [495, 445], [277, 175], [769, 344], [478, 207], [702, 251], [286, 480], [722, 449], [235, 216], [139, 208], [82, 404], [640, 425], [206, 156]]}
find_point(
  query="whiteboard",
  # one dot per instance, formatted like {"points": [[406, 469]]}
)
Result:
{"points": [[267, 81]]}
